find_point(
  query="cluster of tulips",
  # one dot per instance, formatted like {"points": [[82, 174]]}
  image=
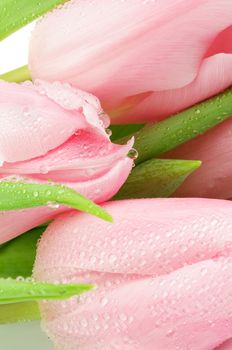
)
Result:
{"points": [[151, 75]]}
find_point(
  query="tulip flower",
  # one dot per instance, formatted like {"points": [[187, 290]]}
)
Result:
{"points": [[156, 56], [52, 132], [213, 179], [162, 270]]}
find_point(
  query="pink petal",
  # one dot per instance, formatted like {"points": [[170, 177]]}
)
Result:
{"points": [[179, 299], [142, 240], [184, 310], [120, 48], [15, 222], [214, 76], [84, 156], [213, 179], [226, 346], [33, 119]]}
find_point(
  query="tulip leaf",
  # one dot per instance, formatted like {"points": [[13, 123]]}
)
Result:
{"points": [[18, 255], [19, 195], [157, 178], [15, 14], [14, 291], [157, 138], [18, 312], [17, 75]]}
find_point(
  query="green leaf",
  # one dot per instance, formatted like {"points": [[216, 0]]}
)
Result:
{"points": [[15, 14], [119, 131], [27, 311], [18, 195], [157, 178], [17, 75], [157, 138], [18, 255], [14, 291]]}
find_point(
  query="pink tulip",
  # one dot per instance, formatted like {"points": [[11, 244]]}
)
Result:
{"points": [[163, 55], [163, 273], [54, 132], [214, 178]]}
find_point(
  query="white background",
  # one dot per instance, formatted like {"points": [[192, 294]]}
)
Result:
{"points": [[14, 49], [25, 336]]}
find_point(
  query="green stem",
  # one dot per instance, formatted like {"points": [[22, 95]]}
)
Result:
{"points": [[157, 138], [17, 75]]}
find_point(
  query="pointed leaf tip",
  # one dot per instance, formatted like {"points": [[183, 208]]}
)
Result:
{"points": [[20, 290], [157, 178], [19, 195]]}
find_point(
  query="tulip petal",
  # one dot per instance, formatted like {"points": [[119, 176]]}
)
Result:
{"points": [[15, 222], [84, 156], [146, 244], [162, 284], [40, 117], [213, 179], [31, 124], [214, 76], [99, 50], [189, 309]]}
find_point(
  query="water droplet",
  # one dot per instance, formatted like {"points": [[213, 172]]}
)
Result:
{"points": [[170, 332], [133, 154], [104, 301], [20, 279], [53, 205], [44, 169], [84, 323], [109, 132], [123, 317], [112, 259], [35, 194], [93, 259]]}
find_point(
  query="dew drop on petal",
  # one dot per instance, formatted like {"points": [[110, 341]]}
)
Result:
{"points": [[133, 154]]}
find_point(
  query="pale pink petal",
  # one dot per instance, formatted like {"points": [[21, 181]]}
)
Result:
{"points": [[106, 186], [75, 100], [84, 156], [214, 76], [134, 307], [189, 309], [213, 179], [149, 237], [32, 124], [119, 48], [15, 222], [33, 118]]}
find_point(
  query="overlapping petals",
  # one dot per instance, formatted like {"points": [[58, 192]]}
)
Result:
{"points": [[52, 132], [170, 49], [162, 271]]}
